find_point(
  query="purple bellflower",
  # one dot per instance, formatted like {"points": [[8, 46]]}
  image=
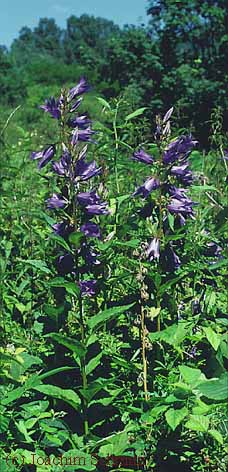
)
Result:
{"points": [[56, 201], [43, 157], [151, 184], [52, 106], [142, 156]]}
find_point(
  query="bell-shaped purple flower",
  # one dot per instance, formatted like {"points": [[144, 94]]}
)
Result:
{"points": [[97, 209], [88, 198], [142, 156], [151, 184], [79, 89], [52, 106], [181, 206], [63, 229], [82, 135], [86, 170], [82, 121], [76, 105], [153, 250], [88, 287], [56, 201], [65, 264], [170, 259], [62, 167], [91, 230], [212, 250], [44, 156], [178, 149]]}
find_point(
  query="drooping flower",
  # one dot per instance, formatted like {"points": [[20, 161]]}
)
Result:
{"points": [[178, 149], [56, 201], [63, 228], [97, 209], [88, 287], [65, 264], [88, 198], [153, 250], [86, 170], [79, 89], [43, 157], [76, 105], [91, 230], [170, 259], [82, 135], [151, 184], [142, 156], [62, 167], [52, 106], [82, 121]]}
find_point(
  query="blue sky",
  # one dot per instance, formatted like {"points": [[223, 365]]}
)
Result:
{"points": [[14, 14]]}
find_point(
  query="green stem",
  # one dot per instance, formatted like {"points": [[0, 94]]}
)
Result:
{"points": [[83, 372]]}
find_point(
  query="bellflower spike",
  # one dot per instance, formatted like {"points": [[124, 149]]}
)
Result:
{"points": [[91, 230], [147, 187], [52, 106], [87, 287], [56, 202], [79, 89], [142, 156], [178, 149], [153, 250]]}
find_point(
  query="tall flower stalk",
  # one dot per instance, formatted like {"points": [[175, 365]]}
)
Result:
{"points": [[167, 207], [78, 204]]}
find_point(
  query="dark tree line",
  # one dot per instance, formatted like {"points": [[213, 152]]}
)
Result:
{"points": [[179, 58]]}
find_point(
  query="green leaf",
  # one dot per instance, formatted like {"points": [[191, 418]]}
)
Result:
{"points": [[213, 338], [215, 389], [175, 416], [75, 238], [198, 423], [92, 364], [37, 264], [45, 375], [72, 344], [67, 395], [93, 388], [136, 113], [191, 376], [71, 287], [173, 335], [216, 435], [107, 315], [103, 102]]}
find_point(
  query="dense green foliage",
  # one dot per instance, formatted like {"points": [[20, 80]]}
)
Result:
{"points": [[147, 377]]}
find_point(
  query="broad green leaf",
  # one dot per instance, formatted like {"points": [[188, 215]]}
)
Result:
{"points": [[175, 416], [213, 338], [136, 113], [93, 388], [107, 315], [198, 423], [67, 395], [92, 364], [215, 389], [173, 335], [37, 264], [191, 376], [22, 428], [71, 287], [216, 435], [72, 344], [75, 238]]}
